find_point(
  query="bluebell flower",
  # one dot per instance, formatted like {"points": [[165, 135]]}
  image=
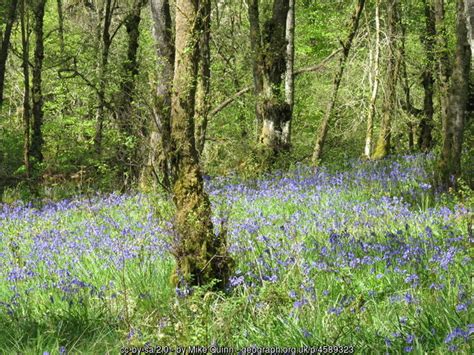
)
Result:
{"points": [[461, 307]]}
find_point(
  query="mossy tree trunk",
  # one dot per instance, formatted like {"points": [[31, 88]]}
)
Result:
{"points": [[346, 47], [449, 163], [383, 146], [203, 88], [159, 129], [201, 256], [269, 61]]}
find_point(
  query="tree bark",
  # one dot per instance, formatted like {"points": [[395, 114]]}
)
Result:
{"points": [[375, 86], [37, 94], [470, 23], [59, 5], [389, 104], [159, 135], [289, 74], [201, 256], [256, 48], [127, 157], [470, 36], [425, 139], [449, 163], [269, 54], [106, 43], [25, 44], [346, 47], [203, 88], [5, 44], [443, 61]]}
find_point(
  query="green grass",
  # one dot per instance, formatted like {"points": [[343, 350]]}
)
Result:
{"points": [[100, 271]]}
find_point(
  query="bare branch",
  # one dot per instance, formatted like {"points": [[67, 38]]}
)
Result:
{"points": [[246, 89]]}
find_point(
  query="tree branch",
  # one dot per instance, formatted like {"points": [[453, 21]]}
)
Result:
{"points": [[246, 89]]}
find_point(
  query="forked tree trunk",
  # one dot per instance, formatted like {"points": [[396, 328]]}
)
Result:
{"points": [[449, 163], [201, 256], [425, 139], [159, 135], [346, 47], [375, 86], [389, 104], [5, 44], [203, 87], [37, 136]]}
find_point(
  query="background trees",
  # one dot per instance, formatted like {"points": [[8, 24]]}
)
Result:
{"points": [[85, 94]]}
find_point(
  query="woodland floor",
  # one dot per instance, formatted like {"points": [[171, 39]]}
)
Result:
{"points": [[369, 257]]}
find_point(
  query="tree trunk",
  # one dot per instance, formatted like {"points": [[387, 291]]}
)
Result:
{"points": [[449, 163], [289, 75], [389, 105], [159, 135], [106, 43], [443, 62], [25, 44], [203, 87], [346, 47], [201, 256], [375, 86], [470, 36], [61, 25], [269, 55], [5, 44], [407, 104], [127, 157], [256, 48], [425, 139], [37, 94], [470, 23]]}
